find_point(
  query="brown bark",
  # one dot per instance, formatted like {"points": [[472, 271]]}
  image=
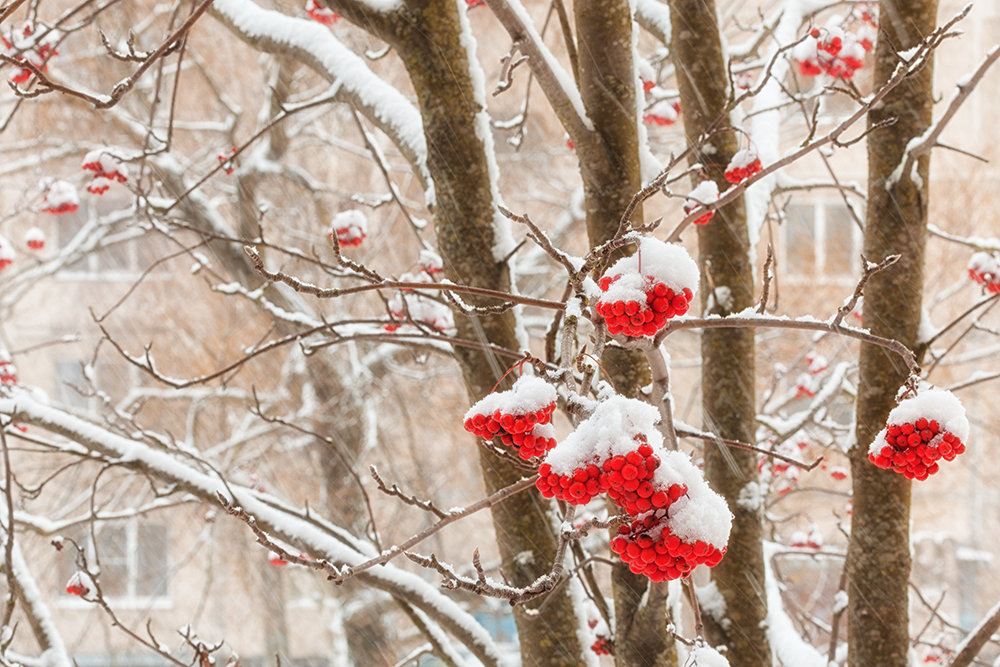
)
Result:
{"points": [[878, 553], [609, 165], [727, 355], [438, 66]]}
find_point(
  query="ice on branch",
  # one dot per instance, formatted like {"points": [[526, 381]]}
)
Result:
{"points": [[642, 291], [920, 431]]}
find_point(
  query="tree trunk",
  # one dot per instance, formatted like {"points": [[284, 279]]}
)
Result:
{"points": [[727, 354], [438, 65], [878, 558], [609, 165]]}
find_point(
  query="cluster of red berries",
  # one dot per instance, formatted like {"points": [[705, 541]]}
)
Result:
{"points": [[8, 371], [23, 46], [635, 319], [984, 268], [60, 197], [706, 192], [77, 584], [577, 488], [663, 113], [629, 481], [106, 168], [915, 447], [743, 165], [323, 15], [834, 51], [519, 423], [602, 646], [648, 547], [228, 165]]}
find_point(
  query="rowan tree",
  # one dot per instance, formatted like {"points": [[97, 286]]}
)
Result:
{"points": [[335, 194]]}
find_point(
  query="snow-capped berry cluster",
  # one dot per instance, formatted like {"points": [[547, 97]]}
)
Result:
{"points": [[984, 268], [107, 169], [430, 262], [599, 632], [351, 228], [323, 15], [706, 192], [920, 431], [6, 253], [34, 238], [276, 560], [415, 307], [60, 197], [619, 451], [807, 540], [649, 547], [641, 292], [782, 475], [519, 416], [744, 164], [835, 51], [226, 161], [662, 112], [8, 371], [29, 44], [80, 584]]}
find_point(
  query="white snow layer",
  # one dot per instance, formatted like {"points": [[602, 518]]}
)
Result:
{"points": [[287, 523], [340, 64], [939, 405]]}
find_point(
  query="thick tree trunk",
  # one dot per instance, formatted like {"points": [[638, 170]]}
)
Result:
{"points": [[727, 354], [438, 65], [878, 557], [609, 165]]}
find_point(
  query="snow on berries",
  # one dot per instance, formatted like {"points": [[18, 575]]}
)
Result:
{"points": [[680, 522], [351, 227], [406, 306], [107, 169], [34, 238], [8, 371], [6, 253], [984, 268], [919, 432], [60, 197], [599, 632], [641, 292], [29, 44], [705, 656], [80, 584], [323, 15], [662, 112], [519, 416], [744, 164], [833, 50], [706, 192], [430, 262], [276, 560]]}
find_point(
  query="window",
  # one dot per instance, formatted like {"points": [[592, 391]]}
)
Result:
{"points": [[822, 243], [133, 563]]}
